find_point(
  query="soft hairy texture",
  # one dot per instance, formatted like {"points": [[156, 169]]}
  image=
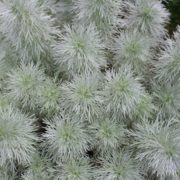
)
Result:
{"points": [[74, 169], [5, 174], [118, 166], [8, 58], [49, 97], [39, 169], [82, 83], [4, 102], [66, 138], [17, 138], [145, 108], [80, 50], [23, 84], [82, 97], [166, 97], [27, 27], [102, 13], [168, 66], [108, 133], [148, 17], [132, 48], [122, 92], [158, 146], [61, 9]]}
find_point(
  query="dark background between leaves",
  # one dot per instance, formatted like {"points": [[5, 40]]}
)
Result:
{"points": [[174, 8]]}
